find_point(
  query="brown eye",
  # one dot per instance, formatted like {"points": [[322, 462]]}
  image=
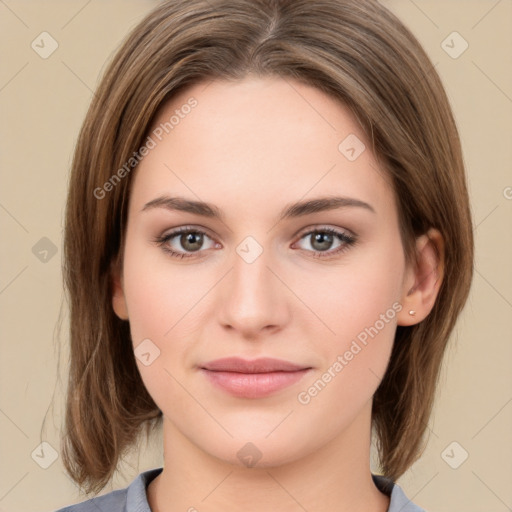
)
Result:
{"points": [[180, 242], [191, 241], [322, 240]]}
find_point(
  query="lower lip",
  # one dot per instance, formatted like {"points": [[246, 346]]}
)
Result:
{"points": [[253, 385]]}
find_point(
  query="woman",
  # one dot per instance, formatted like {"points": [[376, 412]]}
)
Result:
{"points": [[267, 245]]}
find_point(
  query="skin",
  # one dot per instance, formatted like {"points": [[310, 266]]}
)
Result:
{"points": [[250, 148]]}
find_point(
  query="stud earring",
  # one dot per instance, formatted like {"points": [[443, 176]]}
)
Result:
{"points": [[412, 312]]}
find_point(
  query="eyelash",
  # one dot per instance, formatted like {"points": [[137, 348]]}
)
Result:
{"points": [[348, 241]]}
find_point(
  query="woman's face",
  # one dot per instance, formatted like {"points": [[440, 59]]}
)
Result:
{"points": [[261, 277]]}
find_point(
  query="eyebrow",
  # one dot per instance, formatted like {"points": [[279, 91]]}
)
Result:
{"points": [[293, 210]]}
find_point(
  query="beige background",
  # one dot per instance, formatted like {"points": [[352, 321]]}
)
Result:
{"points": [[43, 102]]}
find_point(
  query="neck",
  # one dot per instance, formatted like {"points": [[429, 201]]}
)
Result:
{"points": [[336, 477]]}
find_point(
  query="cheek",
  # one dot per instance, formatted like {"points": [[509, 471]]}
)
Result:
{"points": [[359, 303], [357, 295], [158, 302], [157, 295], [355, 359], [164, 306]]}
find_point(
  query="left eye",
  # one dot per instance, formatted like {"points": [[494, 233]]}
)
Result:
{"points": [[192, 240], [323, 240]]}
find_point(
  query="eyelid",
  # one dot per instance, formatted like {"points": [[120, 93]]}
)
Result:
{"points": [[185, 228], [321, 227]]}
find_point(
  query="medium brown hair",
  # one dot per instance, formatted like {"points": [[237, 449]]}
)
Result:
{"points": [[354, 50]]}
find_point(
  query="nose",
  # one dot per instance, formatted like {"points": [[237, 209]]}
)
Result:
{"points": [[254, 296]]}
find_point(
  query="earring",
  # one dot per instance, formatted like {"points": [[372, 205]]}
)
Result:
{"points": [[412, 312]]}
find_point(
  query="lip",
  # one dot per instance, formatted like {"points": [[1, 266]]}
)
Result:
{"points": [[261, 365], [253, 378]]}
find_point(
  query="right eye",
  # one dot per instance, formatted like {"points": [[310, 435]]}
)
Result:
{"points": [[190, 239]]}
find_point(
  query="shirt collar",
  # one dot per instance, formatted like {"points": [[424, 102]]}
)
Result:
{"points": [[136, 497]]}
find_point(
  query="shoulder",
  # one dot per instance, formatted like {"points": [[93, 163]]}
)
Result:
{"points": [[398, 501], [131, 498], [114, 501]]}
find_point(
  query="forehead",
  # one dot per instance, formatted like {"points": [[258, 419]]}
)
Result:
{"points": [[254, 140], [256, 109]]}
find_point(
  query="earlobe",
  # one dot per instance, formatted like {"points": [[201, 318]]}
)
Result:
{"points": [[423, 282], [118, 298]]}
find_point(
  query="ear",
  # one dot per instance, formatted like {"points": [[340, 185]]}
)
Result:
{"points": [[118, 298], [423, 279]]}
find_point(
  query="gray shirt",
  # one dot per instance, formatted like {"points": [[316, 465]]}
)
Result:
{"points": [[134, 499]]}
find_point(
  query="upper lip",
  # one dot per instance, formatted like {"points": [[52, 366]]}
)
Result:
{"points": [[261, 365]]}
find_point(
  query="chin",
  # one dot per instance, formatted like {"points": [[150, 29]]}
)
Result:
{"points": [[259, 451]]}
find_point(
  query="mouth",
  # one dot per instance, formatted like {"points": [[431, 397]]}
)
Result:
{"points": [[253, 378]]}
